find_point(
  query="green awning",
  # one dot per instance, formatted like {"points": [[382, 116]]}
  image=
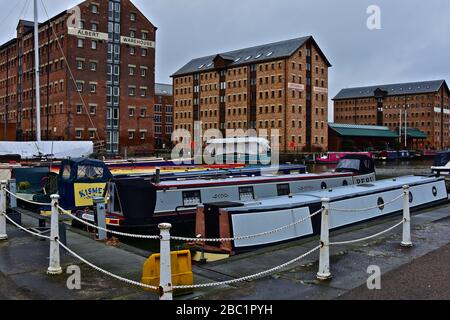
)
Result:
{"points": [[415, 133], [351, 130]]}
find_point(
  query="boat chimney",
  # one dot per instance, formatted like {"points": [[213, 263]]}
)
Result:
{"points": [[158, 175]]}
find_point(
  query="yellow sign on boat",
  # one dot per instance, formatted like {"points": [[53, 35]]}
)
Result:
{"points": [[85, 193]]}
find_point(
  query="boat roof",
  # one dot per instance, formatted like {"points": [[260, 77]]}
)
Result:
{"points": [[248, 180], [340, 193]]}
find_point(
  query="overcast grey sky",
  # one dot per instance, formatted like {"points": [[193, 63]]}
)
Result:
{"points": [[413, 44]]}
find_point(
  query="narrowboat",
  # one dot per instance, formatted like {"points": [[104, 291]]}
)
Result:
{"points": [[238, 219], [139, 201], [402, 155], [335, 157], [441, 166]]}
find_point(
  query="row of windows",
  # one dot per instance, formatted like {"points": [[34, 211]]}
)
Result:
{"points": [[79, 134], [393, 99], [132, 134], [407, 106], [158, 108]]}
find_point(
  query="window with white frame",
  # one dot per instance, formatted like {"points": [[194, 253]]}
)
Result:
{"points": [[80, 86], [79, 133], [143, 134], [131, 112], [93, 87], [131, 91], [80, 43], [131, 134], [79, 109], [93, 109], [80, 64], [143, 72], [94, 8], [92, 133], [132, 16], [94, 45], [93, 66]]}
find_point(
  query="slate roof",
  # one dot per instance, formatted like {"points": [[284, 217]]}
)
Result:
{"points": [[162, 89], [353, 130], [392, 89], [258, 54]]}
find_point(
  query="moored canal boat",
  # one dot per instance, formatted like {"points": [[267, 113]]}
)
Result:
{"points": [[244, 218], [139, 201]]}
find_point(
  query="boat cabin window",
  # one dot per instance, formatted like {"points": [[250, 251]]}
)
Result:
{"points": [[283, 189], [348, 164], [246, 193], [66, 172], [191, 198], [89, 172]]}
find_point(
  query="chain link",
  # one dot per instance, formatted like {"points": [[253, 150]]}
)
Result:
{"points": [[132, 282], [369, 237]]}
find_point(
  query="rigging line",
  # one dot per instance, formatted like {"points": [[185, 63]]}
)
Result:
{"points": [[70, 71], [12, 10]]}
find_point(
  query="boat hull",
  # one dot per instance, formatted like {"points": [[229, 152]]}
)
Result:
{"points": [[251, 218]]}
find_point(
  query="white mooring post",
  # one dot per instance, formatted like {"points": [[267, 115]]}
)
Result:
{"points": [[165, 267], [54, 266], [324, 258], [100, 217], [3, 235], [406, 238], [13, 189]]}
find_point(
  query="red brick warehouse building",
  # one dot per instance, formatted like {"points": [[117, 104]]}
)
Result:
{"points": [[282, 86], [163, 115], [111, 54], [426, 104]]}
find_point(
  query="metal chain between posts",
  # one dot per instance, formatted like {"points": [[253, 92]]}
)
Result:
{"points": [[24, 229], [369, 237], [26, 200], [132, 282], [369, 208], [250, 277], [248, 236], [123, 234]]}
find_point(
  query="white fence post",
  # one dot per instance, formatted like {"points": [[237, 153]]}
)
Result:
{"points": [[100, 209], [165, 267], [13, 189], [54, 267], [406, 238], [324, 258], [3, 235]]}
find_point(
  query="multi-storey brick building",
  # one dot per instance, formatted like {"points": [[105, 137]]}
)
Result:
{"points": [[93, 70], [426, 104], [281, 86], [163, 115]]}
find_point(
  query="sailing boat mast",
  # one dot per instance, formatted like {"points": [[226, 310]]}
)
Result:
{"points": [[36, 69]]}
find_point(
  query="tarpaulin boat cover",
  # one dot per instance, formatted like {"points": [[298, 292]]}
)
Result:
{"points": [[51, 149]]}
